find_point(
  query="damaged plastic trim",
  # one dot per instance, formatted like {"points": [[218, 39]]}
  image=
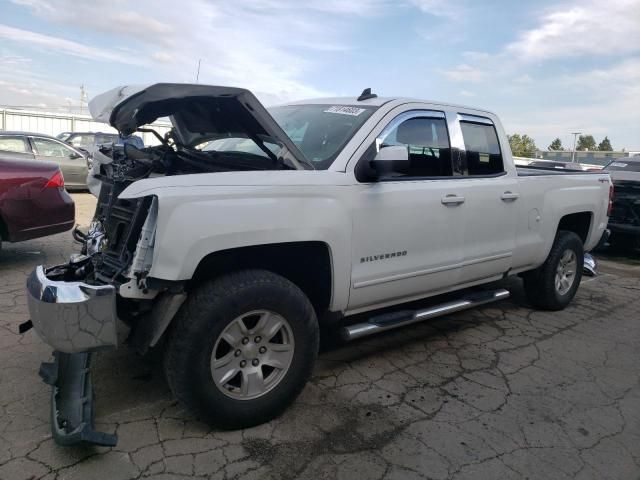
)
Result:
{"points": [[72, 400]]}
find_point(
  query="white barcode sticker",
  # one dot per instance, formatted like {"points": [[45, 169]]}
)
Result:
{"points": [[344, 110]]}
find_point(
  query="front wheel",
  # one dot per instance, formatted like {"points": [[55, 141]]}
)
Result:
{"points": [[242, 348], [553, 285]]}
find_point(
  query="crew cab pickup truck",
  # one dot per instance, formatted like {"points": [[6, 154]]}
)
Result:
{"points": [[231, 243]]}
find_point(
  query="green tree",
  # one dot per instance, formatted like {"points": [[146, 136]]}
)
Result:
{"points": [[522, 145], [605, 145], [556, 145], [586, 142]]}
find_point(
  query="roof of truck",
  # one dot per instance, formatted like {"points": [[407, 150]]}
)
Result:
{"points": [[378, 102]]}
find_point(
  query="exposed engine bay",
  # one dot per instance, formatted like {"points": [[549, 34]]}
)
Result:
{"points": [[117, 246]]}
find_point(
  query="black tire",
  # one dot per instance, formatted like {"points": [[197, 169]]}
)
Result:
{"points": [[200, 322], [540, 284]]}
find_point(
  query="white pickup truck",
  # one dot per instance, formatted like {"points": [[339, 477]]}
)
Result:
{"points": [[232, 242]]}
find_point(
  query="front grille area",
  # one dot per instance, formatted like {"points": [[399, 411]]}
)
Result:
{"points": [[122, 220]]}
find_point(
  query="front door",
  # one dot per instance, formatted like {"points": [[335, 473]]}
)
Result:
{"points": [[408, 227]]}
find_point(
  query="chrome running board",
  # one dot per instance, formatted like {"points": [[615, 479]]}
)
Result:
{"points": [[387, 321]]}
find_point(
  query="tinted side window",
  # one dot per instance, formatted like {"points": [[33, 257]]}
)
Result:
{"points": [[13, 144], [483, 150], [428, 142]]}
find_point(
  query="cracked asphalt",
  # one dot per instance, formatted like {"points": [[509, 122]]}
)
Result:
{"points": [[498, 392]]}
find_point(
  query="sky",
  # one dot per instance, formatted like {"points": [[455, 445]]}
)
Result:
{"points": [[546, 68]]}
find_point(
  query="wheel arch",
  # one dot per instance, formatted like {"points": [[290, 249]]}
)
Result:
{"points": [[578, 223], [307, 264]]}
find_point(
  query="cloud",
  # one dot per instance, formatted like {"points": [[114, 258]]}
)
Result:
{"points": [[110, 17], [561, 33], [28, 92], [598, 101], [163, 57], [267, 45], [439, 8], [589, 28], [264, 45], [464, 73], [544, 82], [62, 45]]}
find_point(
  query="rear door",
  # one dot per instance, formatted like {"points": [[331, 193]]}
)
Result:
{"points": [[72, 164], [15, 147], [491, 194]]}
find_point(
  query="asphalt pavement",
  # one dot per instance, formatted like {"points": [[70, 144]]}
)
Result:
{"points": [[501, 392]]}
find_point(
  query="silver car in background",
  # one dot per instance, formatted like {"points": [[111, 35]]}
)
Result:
{"points": [[73, 162]]}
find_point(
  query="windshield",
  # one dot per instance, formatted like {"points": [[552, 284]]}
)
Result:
{"points": [[238, 144], [63, 136], [321, 131]]}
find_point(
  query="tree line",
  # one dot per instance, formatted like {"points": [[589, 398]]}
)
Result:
{"points": [[525, 146]]}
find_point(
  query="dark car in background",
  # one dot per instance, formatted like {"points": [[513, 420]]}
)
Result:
{"points": [[624, 221], [555, 164], [91, 140], [72, 161], [33, 200]]}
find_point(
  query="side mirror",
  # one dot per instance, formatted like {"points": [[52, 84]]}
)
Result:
{"points": [[394, 158], [74, 155]]}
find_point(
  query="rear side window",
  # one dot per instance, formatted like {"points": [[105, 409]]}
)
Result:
{"points": [[482, 149], [13, 144], [428, 143], [81, 140]]}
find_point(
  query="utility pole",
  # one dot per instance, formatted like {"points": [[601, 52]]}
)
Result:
{"points": [[198, 72], [83, 97], [573, 153]]}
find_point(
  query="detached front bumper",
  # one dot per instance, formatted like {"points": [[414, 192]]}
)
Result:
{"points": [[75, 318], [72, 317]]}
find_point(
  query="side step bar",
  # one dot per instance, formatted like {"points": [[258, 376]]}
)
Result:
{"points": [[387, 321]]}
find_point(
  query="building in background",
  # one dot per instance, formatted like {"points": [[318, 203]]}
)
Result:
{"points": [[55, 123]]}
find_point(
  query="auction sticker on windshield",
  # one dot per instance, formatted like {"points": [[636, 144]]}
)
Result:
{"points": [[342, 110]]}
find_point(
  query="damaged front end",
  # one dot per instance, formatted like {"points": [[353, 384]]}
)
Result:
{"points": [[75, 318], [75, 307]]}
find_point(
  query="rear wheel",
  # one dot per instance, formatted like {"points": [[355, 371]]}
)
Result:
{"points": [[553, 285], [242, 348]]}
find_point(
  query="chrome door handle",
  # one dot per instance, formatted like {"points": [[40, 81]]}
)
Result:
{"points": [[508, 196], [452, 199]]}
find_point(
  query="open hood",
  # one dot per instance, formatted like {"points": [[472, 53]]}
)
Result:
{"points": [[198, 113]]}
